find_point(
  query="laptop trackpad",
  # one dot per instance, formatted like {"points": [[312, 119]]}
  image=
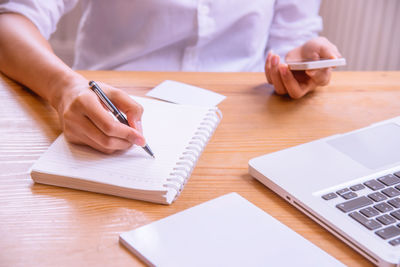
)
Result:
{"points": [[374, 147]]}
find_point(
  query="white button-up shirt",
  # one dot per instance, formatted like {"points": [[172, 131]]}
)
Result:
{"points": [[187, 35]]}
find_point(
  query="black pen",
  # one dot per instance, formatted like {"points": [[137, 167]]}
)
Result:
{"points": [[93, 85]]}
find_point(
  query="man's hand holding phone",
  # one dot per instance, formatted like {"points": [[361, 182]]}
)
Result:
{"points": [[297, 83]]}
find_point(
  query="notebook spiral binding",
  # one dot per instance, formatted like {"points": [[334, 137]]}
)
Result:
{"points": [[184, 167]]}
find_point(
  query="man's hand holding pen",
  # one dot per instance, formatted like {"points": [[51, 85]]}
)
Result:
{"points": [[85, 120]]}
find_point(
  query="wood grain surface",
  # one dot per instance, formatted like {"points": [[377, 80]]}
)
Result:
{"points": [[50, 226]]}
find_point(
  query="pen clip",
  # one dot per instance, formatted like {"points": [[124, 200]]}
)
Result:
{"points": [[93, 85], [104, 99]]}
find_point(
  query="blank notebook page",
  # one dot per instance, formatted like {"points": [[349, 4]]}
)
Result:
{"points": [[168, 129]]}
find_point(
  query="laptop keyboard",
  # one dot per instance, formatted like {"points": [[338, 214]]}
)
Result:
{"points": [[377, 208]]}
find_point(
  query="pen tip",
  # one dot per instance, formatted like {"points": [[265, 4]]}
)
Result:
{"points": [[148, 150]]}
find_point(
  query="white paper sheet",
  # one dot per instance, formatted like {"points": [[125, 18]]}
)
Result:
{"points": [[226, 231], [181, 93]]}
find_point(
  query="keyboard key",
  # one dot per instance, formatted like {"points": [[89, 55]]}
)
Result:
{"points": [[395, 242], [397, 174], [383, 207], [391, 192], [354, 204], [389, 180], [377, 196], [386, 219], [396, 214], [371, 224], [329, 196], [374, 185], [388, 232], [342, 191], [369, 212], [357, 187], [349, 195], [395, 202]]}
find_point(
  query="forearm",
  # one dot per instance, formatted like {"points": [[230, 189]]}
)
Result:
{"points": [[27, 57]]}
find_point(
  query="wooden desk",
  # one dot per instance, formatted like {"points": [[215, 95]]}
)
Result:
{"points": [[48, 226]]}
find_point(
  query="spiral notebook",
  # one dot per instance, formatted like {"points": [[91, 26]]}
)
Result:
{"points": [[177, 135]]}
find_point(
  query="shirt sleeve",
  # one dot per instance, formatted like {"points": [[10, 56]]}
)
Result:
{"points": [[294, 22], [44, 14]]}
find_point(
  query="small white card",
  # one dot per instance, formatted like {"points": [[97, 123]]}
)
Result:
{"points": [[181, 93]]}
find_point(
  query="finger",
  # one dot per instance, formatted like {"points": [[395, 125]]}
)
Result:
{"points": [[276, 77], [84, 131], [103, 140], [130, 107], [336, 51], [268, 67], [320, 77], [92, 108], [138, 126], [327, 51], [292, 86], [84, 140], [333, 48]]}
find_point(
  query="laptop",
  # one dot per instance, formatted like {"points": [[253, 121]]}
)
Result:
{"points": [[348, 183]]}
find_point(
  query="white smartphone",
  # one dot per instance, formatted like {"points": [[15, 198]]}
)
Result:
{"points": [[316, 64]]}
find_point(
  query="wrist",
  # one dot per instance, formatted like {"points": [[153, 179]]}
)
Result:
{"points": [[62, 85]]}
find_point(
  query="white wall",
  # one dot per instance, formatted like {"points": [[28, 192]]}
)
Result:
{"points": [[367, 32]]}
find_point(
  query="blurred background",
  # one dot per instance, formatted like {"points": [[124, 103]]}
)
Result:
{"points": [[367, 32]]}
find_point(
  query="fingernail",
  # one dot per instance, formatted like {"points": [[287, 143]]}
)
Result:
{"points": [[137, 138], [138, 126]]}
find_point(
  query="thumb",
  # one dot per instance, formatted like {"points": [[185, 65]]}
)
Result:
{"points": [[318, 48], [127, 105], [327, 52]]}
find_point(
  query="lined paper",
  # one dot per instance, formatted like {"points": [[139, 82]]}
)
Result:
{"points": [[168, 129]]}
